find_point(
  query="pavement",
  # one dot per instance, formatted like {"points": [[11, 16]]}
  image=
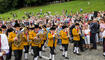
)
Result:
{"points": [[86, 55]]}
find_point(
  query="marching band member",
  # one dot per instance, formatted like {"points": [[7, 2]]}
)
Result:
{"points": [[33, 36], [26, 43], [44, 36], [42, 41], [76, 37], [17, 45], [31, 30], [65, 41], [4, 46], [52, 42]]}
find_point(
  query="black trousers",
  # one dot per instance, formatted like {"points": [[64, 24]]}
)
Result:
{"points": [[76, 43], [8, 56], [81, 43], [36, 51], [52, 50], [26, 48], [65, 47], [40, 49], [103, 44], [18, 54], [43, 43], [93, 40]]}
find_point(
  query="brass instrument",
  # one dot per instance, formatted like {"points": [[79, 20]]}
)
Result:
{"points": [[23, 38], [19, 37], [57, 34], [38, 38]]}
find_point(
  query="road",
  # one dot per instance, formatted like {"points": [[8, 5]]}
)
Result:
{"points": [[86, 55]]}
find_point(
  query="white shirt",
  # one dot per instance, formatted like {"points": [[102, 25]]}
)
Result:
{"points": [[4, 44], [103, 34], [87, 31]]}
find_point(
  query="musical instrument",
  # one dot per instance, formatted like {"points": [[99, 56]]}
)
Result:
{"points": [[38, 38], [19, 38], [56, 36]]}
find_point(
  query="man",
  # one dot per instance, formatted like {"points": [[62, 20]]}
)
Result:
{"points": [[93, 31], [33, 35], [26, 43], [76, 38], [52, 42], [65, 40], [44, 36], [4, 46], [17, 45]]}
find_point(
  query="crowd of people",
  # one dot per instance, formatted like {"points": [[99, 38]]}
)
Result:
{"points": [[85, 31]]}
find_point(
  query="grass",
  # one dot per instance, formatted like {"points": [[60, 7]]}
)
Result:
{"points": [[95, 5]]}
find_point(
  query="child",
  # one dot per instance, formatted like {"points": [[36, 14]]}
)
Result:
{"points": [[87, 36], [65, 41], [76, 38]]}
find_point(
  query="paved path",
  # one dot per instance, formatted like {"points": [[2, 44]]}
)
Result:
{"points": [[87, 55]]}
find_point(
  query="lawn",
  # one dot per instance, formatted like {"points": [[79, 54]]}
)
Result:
{"points": [[95, 5]]}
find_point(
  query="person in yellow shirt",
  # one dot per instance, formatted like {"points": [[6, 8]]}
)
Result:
{"points": [[33, 36], [26, 43], [44, 36], [30, 33], [65, 41], [13, 38], [76, 38], [52, 42]]}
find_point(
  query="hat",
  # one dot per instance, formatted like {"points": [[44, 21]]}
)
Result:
{"points": [[3, 27], [63, 27], [37, 26], [77, 24], [31, 27], [17, 25], [44, 26], [52, 28], [10, 30], [55, 26]]}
